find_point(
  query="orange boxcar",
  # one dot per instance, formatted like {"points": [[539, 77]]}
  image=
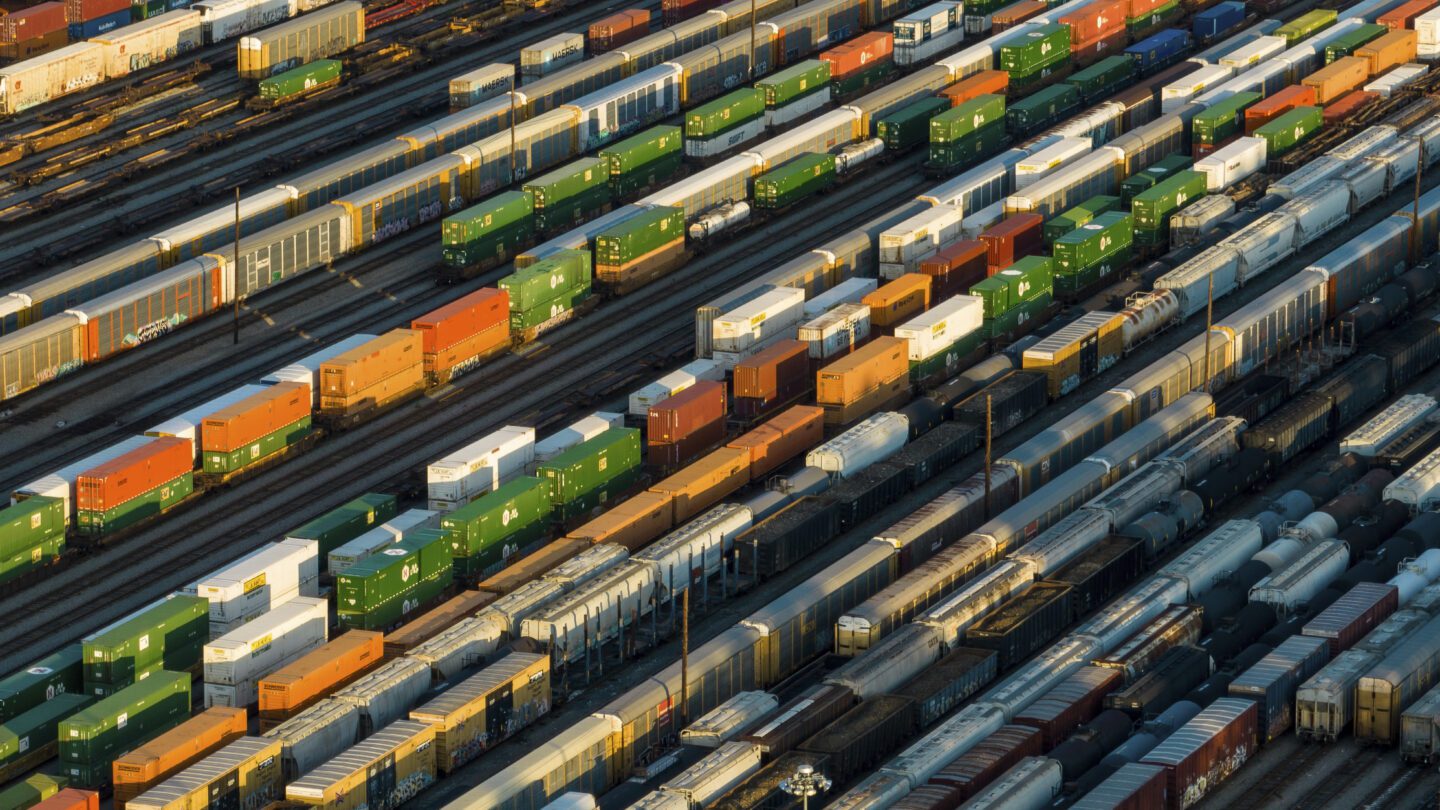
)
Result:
{"points": [[782, 438], [986, 82], [532, 565], [307, 679], [1391, 50], [133, 474], [632, 523], [704, 483], [1268, 109], [255, 417], [182, 746], [436, 621]]}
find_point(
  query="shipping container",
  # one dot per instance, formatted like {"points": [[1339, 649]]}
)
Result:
{"points": [[1152, 208], [56, 674], [381, 372], [30, 739], [134, 487], [986, 82], [590, 474], [371, 542], [247, 772], [304, 681], [384, 589], [496, 230], [644, 160], [341, 525], [632, 523], [1387, 51], [481, 84], [299, 80], [157, 760], [235, 662], [807, 174], [780, 439], [479, 467], [618, 29], [772, 378], [1013, 239], [168, 635], [91, 739], [1091, 253], [1337, 78], [74, 798]]}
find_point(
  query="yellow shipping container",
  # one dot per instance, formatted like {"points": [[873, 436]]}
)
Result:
{"points": [[1077, 352], [245, 773], [405, 748], [1391, 50], [1338, 78], [486, 708], [705, 482]]}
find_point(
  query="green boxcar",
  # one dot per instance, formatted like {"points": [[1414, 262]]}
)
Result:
{"points": [[878, 73], [1103, 78], [968, 150], [1290, 130], [1041, 109], [639, 235], [805, 175], [34, 789], [589, 474], [265, 446], [1306, 24], [345, 523], [731, 110], [908, 126], [497, 228], [38, 727], [30, 522], [1061, 224], [58, 673], [489, 529], [1043, 47], [171, 634], [381, 590], [644, 160], [1092, 252], [298, 80], [37, 556], [566, 196], [1027, 278], [136, 509], [1153, 207], [91, 739], [970, 116], [1219, 121], [1345, 45], [947, 360], [1018, 316], [794, 82]]}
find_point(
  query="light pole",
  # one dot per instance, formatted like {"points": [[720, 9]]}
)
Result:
{"points": [[804, 784]]}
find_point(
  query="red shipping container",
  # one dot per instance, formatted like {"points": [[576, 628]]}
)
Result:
{"points": [[674, 455], [1352, 616], [1348, 105], [1013, 15], [33, 22], [70, 799], [1069, 704], [988, 759], [461, 319], [1202, 753], [859, 54], [955, 268], [79, 11], [1012, 240], [1403, 16], [986, 82], [255, 417], [1269, 108], [776, 374], [618, 29], [673, 419], [133, 474], [1095, 22], [1092, 52], [676, 10], [1141, 7]]}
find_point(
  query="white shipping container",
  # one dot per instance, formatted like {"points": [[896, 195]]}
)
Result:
{"points": [[1191, 223], [387, 694], [726, 720], [1427, 27], [48, 76], [905, 245], [259, 582], [1047, 160], [849, 291], [391, 531], [1406, 411], [235, 662], [1418, 485], [1232, 163], [307, 368], [225, 19], [316, 735], [935, 330], [187, 425], [982, 220], [551, 54], [673, 383], [871, 441], [149, 42], [1394, 80], [908, 53], [715, 774], [576, 434], [593, 614], [61, 483], [837, 331], [1253, 53], [480, 84], [775, 313], [928, 22], [1301, 580], [1177, 94], [479, 467], [694, 551]]}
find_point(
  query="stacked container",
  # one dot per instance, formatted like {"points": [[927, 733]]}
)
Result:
{"points": [[1096, 30], [799, 89], [1012, 240], [1220, 123], [258, 582], [91, 18], [908, 126], [32, 533], [457, 336], [837, 332], [367, 543], [1271, 107], [682, 427], [382, 371], [235, 662], [752, 326], [546, 293], [1104, 78], [860, 63], [339, 526], [873, 377], [618, 29], [1063, 223], [804, 175], [898, 301], [577, 432], [1016, 296], [772, 378], [941, 337], [1388, 51], [955, 267], [303, 682], [91, 739], [259, 426], [571, 194], [916, 238], [591, 474], [247, 771], [718, 127], [1152, 208], [34, 30], [782, 438], [479, 467], [640, 249], [493, 232], [169, 634], [972, 128], [135, 486], [1092, 253], [1044, 50], [644, 160], [381, 591]]}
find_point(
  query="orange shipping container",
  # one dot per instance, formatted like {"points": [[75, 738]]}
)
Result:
{"points": [[72, 799], [434, 622], [365, 366], [462, 319], [771, 371], [1013, 15], [986, 82], [704, 483], [871, 366], [898, 301], [532, 565], [1391, 50], [1269, 108], [858, 54], [1095, 22], [1403, 16], [255, 417], [137, 472], [633, 523], [1347, 105], [180, 747], [1142, 7], [1338, 78], [784, 437], [307, 679]]}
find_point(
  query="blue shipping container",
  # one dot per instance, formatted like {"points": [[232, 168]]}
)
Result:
{"points": [[99, 25], [1213, 23], [1160, 50]]}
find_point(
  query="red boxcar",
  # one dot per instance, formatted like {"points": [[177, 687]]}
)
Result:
{"points": [[618, 29]]}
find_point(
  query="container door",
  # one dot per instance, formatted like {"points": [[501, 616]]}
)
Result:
{"points": [[1089, 357], [380, 780], [225, 792], [499, 708]]}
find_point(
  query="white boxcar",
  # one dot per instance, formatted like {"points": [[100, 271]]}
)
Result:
{"points": [[849, 291], [391, 531], [673, 383], [226, 19], [479, 467], [550, 54], [49, 76], [259, 582], [480, 84], [935, 330], [871, 441], [1232, 163], [149, 42], [235, 662], [903, 246], [776, 313]]}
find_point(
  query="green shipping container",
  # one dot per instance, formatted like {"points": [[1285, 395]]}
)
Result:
{"points": [[1104, 78], [1092, 251], [1217, 122], [56, 674], [1147, 23], [343, 524], [907, 127], [968, 150], [91, 739], [171, 634], [568, 195], [1020, 282], [970, 116], [947, 360], [39, 556], [645, 233], [522, 320], [1041, 109], [1306, 24], [876, 74], [1290, 130], [38, 727], [1153, 207], [497, 228], [589, 474], [144, 10], [805, 175], [35, 789], [1145, 178], [549, 278], [488, 530], [1345, 45], [298, 80], [264, 447], [381, 590], [644, 160], [725, 113], [1018, 316], [796, 81], [1061, 224], [136, 509], [29, 522], [1043, 46]]}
